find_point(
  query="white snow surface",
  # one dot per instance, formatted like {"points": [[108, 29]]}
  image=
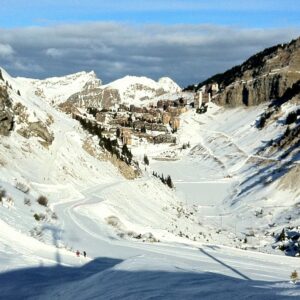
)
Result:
{"points": [[142, 90], [138, 235], [132, 89], [56, 90]]}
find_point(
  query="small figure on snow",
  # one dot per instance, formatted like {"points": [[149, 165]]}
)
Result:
{"points": [[84, 253], [77, 253]]}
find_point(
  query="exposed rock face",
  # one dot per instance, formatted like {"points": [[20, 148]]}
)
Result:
{"points": [[290, 181], [263, 77], [258, 90], [6, 114], [29, 129], [37, 129], [109, 98], [95, 97]]}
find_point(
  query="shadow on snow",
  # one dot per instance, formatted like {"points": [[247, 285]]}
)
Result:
{"points": [[99, 280]]}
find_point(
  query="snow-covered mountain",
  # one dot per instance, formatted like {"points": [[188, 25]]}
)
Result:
{"points": [[136, 90], [58, 89], [139, 91], [85, 89], [234, 191]]}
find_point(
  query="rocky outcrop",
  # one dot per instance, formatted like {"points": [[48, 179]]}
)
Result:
{"points": [[109, 97], [37, 129], [290, 180], [258, 90], [95, 97], [6, 114], [263, 77], [29, 129]]}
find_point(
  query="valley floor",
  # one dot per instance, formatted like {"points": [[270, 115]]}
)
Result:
{"points": [[127, 269]]}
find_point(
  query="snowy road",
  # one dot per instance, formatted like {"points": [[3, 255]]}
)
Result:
{"points": [[123, 269], [83, 232]]}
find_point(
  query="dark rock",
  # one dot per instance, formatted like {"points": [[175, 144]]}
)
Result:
{"points": [[6, 114]]}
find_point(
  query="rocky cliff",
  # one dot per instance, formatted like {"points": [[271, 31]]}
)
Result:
{"points": [[263, 77], [94, 97], [6, 115]]}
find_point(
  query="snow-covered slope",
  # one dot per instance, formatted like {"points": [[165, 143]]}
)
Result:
{"points": [[84, 85], [248, 195], [143, 240], [139, 90], [56, 90]]}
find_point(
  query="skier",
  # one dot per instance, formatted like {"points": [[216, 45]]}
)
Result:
{"points": [[77, 253], [84, 253]]}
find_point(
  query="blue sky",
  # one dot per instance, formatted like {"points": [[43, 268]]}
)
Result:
{"points": [[250, 13], [186, 40]]}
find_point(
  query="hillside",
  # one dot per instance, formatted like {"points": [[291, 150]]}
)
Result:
{"points": [[263, 77], [215, 235]]}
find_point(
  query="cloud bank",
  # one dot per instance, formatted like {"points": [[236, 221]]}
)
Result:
{"points": [[186, 53]]}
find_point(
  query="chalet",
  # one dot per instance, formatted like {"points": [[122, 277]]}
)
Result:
{"points": [[126, 135], [122, 121], [166, 118], [205, 93], [122, 108], [148, 117], [136, 109], [101, 117], [164, 138]]}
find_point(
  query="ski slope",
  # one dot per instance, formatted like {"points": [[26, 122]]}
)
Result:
{"points": [[133, 270], [143, 240]]}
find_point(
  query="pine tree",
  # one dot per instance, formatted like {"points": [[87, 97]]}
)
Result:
{"points": [[146, 160], [118, 132], [124, 150], [288, 131], [127, 154], [291, 118], [169, 182], [281, 236]]}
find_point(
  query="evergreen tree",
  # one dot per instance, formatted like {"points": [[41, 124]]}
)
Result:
{"points": [[291, 118], [118, 132], [281, 236], [146, 160], [169, 182]]}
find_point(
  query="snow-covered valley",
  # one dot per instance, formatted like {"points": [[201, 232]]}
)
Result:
{"points": [[211, 237]]}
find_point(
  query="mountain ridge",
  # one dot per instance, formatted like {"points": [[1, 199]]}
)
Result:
{"points": [[266, 75]]}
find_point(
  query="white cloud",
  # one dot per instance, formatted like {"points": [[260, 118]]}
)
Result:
{"points": [[6, 50], [53, 52], [187, 53]]}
